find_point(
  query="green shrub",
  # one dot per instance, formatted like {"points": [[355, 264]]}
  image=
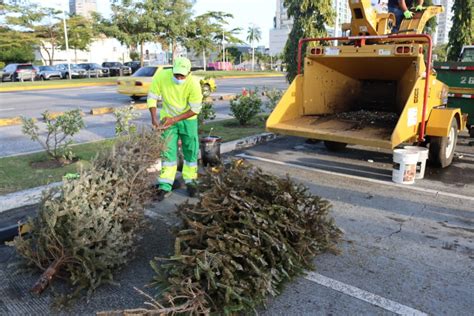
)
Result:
{"points": [[59, 132], [207, 112], [246, 106], [2, 65], [273, 97], [123, 117]]}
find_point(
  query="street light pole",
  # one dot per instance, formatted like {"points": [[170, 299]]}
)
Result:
{"points": [[223, 49], [67, 45]]}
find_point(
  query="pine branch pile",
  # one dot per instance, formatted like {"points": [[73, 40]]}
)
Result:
{"points": [[88, 227], [248, 234]]}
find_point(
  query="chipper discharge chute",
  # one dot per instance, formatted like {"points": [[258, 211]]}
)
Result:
{"points": [[371, 89]]}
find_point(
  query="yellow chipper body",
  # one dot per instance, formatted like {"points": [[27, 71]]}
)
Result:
{"points": [[375, 73]]}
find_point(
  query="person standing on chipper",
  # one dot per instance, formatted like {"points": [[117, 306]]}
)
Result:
{"points": [[401, 10], [181, 98]]}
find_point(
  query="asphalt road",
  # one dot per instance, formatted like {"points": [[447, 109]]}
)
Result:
{"points": [[406, 250], [33, 103]]}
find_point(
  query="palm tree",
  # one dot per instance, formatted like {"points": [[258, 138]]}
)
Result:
{"points": [[254, 34]]}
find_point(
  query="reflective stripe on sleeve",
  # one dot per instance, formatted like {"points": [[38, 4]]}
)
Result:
{"points": [[195, 107], [153, 96]]}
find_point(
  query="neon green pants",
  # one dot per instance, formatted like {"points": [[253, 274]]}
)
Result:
{"points": [[187, 131]]}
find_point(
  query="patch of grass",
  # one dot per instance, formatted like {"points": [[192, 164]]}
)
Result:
{"points": [[231, 130], [220, 73], [56, 82], [16, 173]]}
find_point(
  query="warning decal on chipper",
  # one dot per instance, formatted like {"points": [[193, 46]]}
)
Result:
{"points": [[412, 117], [385, 52], [331, 51]]}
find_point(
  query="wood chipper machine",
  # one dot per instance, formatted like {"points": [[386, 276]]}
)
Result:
{"points": [[374, 88]]}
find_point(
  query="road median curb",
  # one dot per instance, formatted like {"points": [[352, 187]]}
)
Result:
{"points": [[100, 111], [58, 86], [9, 121]]}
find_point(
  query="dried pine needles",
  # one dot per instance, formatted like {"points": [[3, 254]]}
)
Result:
{"points": [[88, 227], [249, 233]]}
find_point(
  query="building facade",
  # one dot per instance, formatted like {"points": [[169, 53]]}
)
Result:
{"points": [[82, 7], [282, 24], [343, 15], [444, 22]]}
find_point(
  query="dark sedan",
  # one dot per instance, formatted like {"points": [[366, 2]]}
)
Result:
{"points": [[117, 69], [135, 65]]}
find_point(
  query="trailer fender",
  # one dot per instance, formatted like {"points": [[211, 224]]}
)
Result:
{"points": [[439, 121]]}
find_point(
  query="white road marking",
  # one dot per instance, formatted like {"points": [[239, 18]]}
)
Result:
{"points": [[7, 109], [362, 295], [424, 190]]}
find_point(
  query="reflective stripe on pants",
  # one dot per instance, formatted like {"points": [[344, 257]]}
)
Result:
{"points": [[190, 170], [187, 131]]}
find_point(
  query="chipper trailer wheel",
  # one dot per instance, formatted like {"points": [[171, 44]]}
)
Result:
{"points": [[335, 146], [442, 148]]}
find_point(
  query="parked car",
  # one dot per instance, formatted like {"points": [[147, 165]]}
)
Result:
{"points": [[95, 70], [48, 73], [16, 72], [76, 71], [137, 85], [135, 65], [117, 69]]}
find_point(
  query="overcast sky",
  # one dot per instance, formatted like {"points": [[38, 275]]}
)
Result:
{"points": [[246, 12]]}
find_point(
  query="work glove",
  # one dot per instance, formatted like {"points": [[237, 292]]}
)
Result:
{"points": [[419, 8], [408, 14]]}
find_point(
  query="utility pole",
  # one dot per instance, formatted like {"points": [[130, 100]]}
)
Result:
{"points": [[223, 48], [67, 46], [60, 5]]}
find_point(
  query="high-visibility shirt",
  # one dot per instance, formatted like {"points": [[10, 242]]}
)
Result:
{"points": [[177, 98]]}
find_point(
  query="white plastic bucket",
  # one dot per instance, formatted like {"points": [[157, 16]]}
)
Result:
{"points": [[404, 166], [422, 157]]}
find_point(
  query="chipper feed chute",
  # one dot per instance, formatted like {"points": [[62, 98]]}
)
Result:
{"points": [[371, 90]]}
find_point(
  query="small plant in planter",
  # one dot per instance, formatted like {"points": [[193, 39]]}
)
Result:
{"points": [[273, 97], [123, 117], [246, 106], [57, 140], [207, 112]]}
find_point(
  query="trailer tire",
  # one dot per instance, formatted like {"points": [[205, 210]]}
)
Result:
{"points": [[471, 131], [335, 146], [442, 148]]}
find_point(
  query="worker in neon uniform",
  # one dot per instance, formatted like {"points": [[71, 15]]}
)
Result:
{"points": [[400, 8], [181, 98]]}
